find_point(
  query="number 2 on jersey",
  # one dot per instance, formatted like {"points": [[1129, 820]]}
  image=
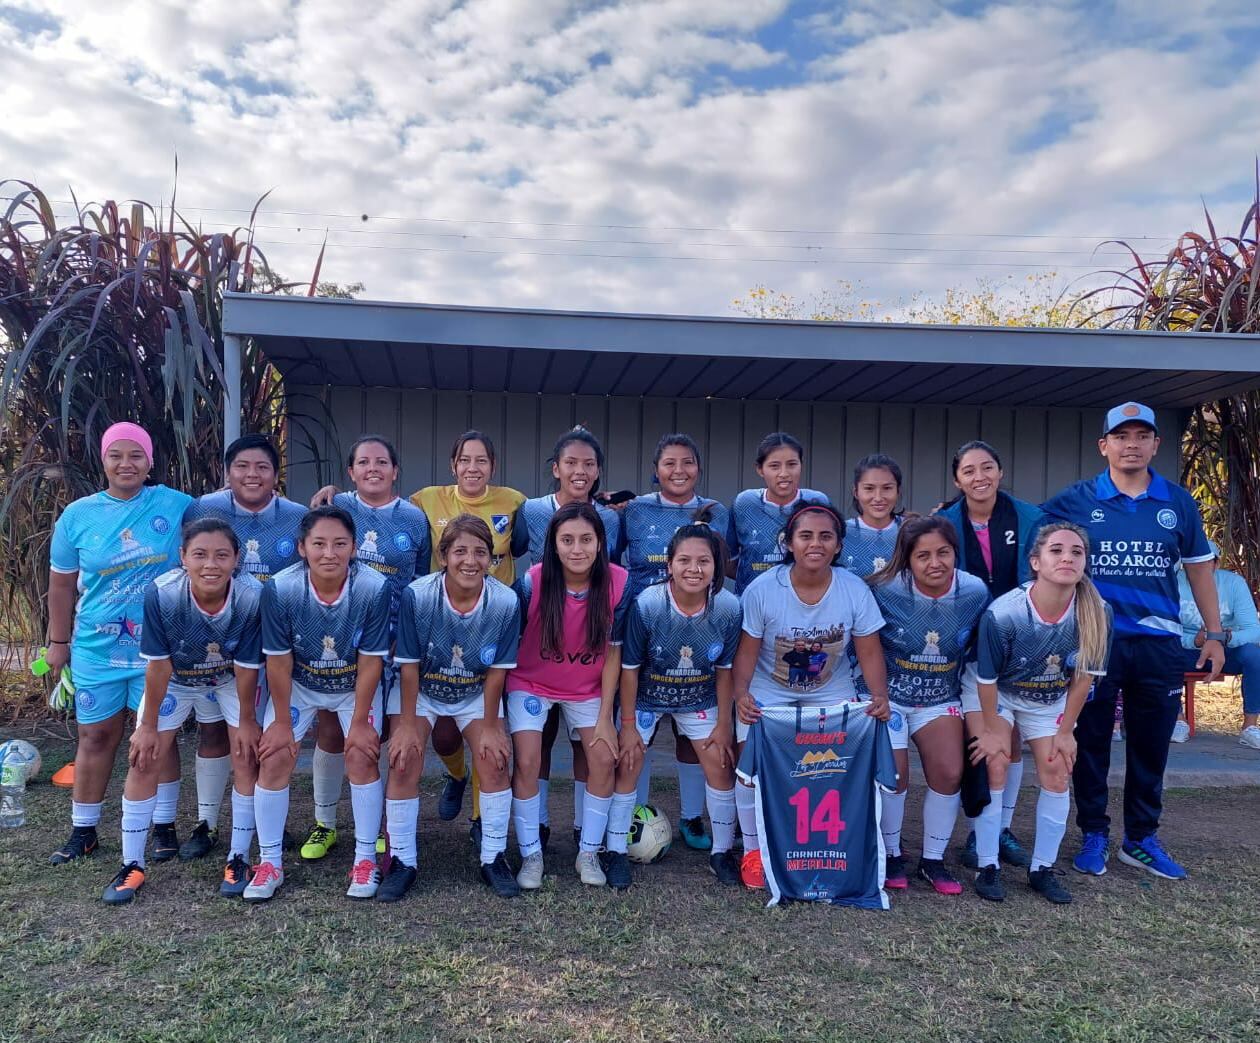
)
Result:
{"points": [[825, 818]]}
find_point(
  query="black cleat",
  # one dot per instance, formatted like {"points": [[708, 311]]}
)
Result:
{"points": [[81, 844], [498, 875], [474, 834], [165, 842], [236, 877], [1047, 882], [1011, 851], [617, 869], [199, 843], [989, 884], [544, 834], [399, 879], [724, 866]]}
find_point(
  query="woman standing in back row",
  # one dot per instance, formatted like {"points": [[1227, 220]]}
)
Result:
{"points": [[995, 534]]}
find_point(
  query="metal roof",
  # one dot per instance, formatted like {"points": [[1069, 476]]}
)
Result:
{"points": [[318, 341]]}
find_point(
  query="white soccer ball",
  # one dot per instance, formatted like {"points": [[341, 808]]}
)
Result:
{"points": [[650, 835], [19, 751]]}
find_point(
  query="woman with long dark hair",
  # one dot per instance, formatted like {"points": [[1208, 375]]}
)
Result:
{"points": [[931, 610], [870, 534], [569, 661]]}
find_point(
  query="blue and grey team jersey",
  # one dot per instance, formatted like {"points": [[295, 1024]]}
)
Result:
{"points": [[650, 522], [268, 537], [326, 640], [678, 656], [201, 647], [754, 532], [818, 771], [927, 640], [455, 651], [117, 548], [1134, 547], [394, 540], [1029, 660], [867, 550], [529, 532]]}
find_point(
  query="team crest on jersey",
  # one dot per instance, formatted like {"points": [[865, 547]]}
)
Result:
{"points": [[499, 523], [160, 525], [487, 655], [168, 706], [646, 718], [1167, 518], [285, 547], [1097, 515], [714, 651], [403, 542], [814, 765], [85, 698], [533, 705]]}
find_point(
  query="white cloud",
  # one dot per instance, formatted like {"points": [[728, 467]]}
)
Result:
{"points": [[1038, 118]]}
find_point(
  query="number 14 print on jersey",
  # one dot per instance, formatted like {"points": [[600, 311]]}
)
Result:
{"points": [[817, 771]]}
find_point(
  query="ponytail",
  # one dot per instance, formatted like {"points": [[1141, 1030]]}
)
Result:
{"points": [[1092, 627]]}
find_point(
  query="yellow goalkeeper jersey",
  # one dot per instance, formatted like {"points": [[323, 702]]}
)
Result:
{"points": [[497, 507]]}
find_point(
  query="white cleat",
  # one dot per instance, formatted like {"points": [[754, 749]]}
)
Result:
{"points": [[365, 878], [530, 877], [265, 882], [589, 870]]}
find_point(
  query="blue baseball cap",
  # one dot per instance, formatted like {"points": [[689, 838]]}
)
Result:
{"points": [[1129, 413]]}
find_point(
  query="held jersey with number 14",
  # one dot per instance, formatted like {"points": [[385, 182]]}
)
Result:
{"points": [[817, 770]]}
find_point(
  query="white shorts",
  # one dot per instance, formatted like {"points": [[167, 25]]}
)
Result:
{"points": [[210, 705], [906, 720], [694, 724], [1035, 720], [527, 712], [304, 704], [471, 709]]}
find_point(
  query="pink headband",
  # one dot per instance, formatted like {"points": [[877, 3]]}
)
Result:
{"points": [[128, 432]]}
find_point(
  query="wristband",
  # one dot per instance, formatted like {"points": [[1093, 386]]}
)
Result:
{"points": [[1215, 635], [52, 642]]}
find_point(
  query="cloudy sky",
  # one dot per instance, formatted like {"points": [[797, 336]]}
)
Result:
{"points": [[655, 155]]}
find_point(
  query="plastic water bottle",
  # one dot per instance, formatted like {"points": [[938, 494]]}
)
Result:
{"points": [[12, 793]]}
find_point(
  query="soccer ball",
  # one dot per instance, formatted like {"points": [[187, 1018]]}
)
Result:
{"points": [[650, 835], [19, 751]]}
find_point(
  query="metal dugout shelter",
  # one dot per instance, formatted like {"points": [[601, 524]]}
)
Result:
{"points": [[420, 374]]}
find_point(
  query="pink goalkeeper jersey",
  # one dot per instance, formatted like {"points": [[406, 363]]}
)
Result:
{"points": [[573, 675]]}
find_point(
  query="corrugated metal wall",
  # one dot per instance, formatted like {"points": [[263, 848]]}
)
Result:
{"points": [[1042, 449]]}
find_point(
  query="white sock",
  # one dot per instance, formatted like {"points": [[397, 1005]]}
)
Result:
{"points": [[988, 827], [367, 802], [137, 816], [746, 808], [940, 812], [579, 795], [594, 821], [620, 813], [721, 805], [892, 813], [496, 809], [271, 810], [1052, 816], [401, 817], [242, 824], [1010, 792], [212, 780], [690, 790], [544, 789], [327, 771], [525, 817], [167, 803], [643, 789], [85, 815]]}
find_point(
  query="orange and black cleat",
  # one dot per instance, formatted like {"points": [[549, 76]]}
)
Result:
{"points": [[122, 889]]}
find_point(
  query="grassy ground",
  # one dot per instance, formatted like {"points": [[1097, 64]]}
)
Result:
{"points": [[677, 957]]}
